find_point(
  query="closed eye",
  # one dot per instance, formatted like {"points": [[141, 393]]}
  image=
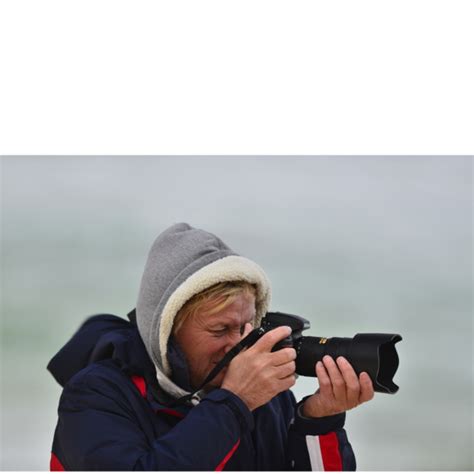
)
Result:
{"points": [[222, 331], [219, 332]]}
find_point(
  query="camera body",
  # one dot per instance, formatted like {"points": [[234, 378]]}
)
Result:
{"points": [[373, 353], [296, 323]]}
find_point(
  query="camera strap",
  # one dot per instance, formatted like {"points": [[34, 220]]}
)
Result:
{"points": [[247, 341]]}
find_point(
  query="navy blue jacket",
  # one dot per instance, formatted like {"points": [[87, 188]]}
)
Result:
{"points": [[113, 416]]}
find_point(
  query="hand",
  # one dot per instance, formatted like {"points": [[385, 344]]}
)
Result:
{"points": [[256, 375], [339, 389]]}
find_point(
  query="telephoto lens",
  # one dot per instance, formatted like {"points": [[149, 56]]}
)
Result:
{"points": [[373, 353]]}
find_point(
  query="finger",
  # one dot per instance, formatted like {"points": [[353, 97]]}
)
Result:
{"points": [[325, 386], [337, 381], [268, 340], [353, 389], [366, 388], [286, 383], [283, 356], [285, 370]]}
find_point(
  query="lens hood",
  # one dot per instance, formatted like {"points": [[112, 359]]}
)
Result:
{"points": [[376, 355]]}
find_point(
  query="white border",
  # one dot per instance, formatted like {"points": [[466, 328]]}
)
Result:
{"points": [[247, 77]]}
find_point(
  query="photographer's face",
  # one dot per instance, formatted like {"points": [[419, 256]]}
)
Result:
{"points": [[205, 339]]}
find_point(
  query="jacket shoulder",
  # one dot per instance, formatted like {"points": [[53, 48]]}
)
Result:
{"points": [[97, 385]]}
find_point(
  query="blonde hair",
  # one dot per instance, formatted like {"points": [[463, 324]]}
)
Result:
{"points": [[214, 299]]}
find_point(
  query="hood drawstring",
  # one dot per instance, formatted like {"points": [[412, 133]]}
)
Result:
{"points": [[195, 400]]}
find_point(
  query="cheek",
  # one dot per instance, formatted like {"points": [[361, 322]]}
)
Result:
{"points": [[208, 350], [215, 346]]}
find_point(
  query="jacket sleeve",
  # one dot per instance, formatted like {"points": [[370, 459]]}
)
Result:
{"points": [[98, 430], [319, 444]]}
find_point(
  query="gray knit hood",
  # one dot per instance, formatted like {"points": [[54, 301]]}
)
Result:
{"points": [[182, 262]]}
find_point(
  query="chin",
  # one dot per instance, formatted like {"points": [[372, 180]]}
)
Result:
{"points": [[216, 382]]}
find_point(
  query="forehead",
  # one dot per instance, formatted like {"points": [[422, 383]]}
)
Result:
{"points": [[242, 308]]}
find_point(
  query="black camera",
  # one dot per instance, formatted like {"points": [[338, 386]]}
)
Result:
{"points": [[371, 353]]}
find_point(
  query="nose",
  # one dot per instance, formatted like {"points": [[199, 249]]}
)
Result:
{"points": [[232, 339]]}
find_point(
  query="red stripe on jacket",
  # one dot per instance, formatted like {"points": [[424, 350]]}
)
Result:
{"points": [[55, 464], [329, 445], [222, 464], [170, 411], [140, 384]]}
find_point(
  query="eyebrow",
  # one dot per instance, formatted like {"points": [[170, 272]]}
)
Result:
{"points": [[227, 323]]}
